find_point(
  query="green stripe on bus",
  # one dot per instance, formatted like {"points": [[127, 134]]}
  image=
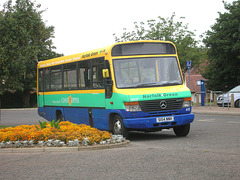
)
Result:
{"points": [[154, 96], [98, 99], [85, 100], [119, 99]]}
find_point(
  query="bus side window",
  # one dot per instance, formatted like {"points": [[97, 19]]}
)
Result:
{"points": [[40, 80], [47, 79], [108, 82], [84, 74], [70, 76], [97, 67], [56, 78]]}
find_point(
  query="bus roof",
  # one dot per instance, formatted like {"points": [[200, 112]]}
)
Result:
{"points": [[90, 54]]}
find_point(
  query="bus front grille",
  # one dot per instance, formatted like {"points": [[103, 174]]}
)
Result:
{"points": [[161, 105]]}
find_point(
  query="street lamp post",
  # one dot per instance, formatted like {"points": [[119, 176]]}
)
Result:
{"points": [[189, 63]]}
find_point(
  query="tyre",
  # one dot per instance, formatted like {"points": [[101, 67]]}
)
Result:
{"points": [[59, 116], [237, 103], [118, 126], [182, 130]]}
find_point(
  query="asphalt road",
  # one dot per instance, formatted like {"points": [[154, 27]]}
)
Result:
{"points": [[210, 151], [15, 117]]}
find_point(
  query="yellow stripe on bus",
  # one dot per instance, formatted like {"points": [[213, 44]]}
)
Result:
{"points": [[74, 92]]}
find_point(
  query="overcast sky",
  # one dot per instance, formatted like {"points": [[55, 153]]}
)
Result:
{"points": [[82, 25]]}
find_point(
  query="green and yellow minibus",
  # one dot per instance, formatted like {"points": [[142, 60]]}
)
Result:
{"points": [[128, 86]]}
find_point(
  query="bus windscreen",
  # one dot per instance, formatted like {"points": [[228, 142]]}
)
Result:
{"points": [[147, 72]]}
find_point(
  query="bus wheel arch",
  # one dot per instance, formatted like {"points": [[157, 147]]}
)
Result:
{"points": [[59, 115], [111, 117]]}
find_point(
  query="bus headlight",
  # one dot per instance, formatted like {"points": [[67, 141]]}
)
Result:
{"points": [[132, 106], [187, 102]]}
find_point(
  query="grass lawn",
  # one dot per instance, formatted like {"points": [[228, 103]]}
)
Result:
{"points": [[2, 126]]}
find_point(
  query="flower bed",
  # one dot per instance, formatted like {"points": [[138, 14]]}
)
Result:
{"points": [[66, 133]]}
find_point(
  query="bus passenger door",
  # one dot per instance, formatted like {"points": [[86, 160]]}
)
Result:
{"points": [[98, 114], [108, 83], [108, 87], [90, 117]]}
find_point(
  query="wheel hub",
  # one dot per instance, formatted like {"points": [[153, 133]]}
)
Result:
{"points": [[117, 127]]}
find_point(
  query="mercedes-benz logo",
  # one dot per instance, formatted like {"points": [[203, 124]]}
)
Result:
{"points": [[163, 104]]}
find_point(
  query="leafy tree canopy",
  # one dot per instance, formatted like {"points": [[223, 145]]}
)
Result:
{"points": [[223, 43], [24, 40], [168, 30]]}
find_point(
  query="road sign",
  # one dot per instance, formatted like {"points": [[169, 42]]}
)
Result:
{"points": [[189, 63]]}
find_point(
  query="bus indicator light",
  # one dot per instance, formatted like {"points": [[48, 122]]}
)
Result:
{"points": [[132, 106]]}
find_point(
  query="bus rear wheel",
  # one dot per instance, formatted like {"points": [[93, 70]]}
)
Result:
{"points": [[182, 130], [59, 116], [118, 126]]}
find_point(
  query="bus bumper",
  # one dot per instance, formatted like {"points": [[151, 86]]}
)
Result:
{"points": [[151, 122]]}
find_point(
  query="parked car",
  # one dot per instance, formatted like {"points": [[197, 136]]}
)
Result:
{"points": [[225, 99]]}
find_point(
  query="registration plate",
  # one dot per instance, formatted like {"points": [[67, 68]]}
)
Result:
{"points": [[165, 119]]}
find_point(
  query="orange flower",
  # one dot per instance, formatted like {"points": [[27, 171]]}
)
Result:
{"points": [[68, 131]]}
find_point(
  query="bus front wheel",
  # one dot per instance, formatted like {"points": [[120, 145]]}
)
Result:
{"points": [[182, 130], [118, 126]]}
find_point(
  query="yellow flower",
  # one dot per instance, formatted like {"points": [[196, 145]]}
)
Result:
{"points": [[68, 131]]}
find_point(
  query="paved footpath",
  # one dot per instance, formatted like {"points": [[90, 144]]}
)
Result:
{"points": [[216, 110]]}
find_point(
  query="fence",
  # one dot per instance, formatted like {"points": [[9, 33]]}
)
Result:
{"points": [[212, 95]]}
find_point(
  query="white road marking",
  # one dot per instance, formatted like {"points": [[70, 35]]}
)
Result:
{"points": [[206, 120], [233, 122], [213, 120]]}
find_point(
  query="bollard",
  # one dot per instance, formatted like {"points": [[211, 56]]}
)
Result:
{"points": [[215, 100], [232, 100], [197, 99], [203, 92]]}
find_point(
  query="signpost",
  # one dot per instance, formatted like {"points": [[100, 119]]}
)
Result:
{"points": [[189, 63]]}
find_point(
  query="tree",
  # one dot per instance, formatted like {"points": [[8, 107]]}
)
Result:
{"points": [[169, 30], [24, 40], [223, 43]]}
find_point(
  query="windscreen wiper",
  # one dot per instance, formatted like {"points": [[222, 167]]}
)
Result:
{"points": [[166, 83], [146, 84], [170, 83]]}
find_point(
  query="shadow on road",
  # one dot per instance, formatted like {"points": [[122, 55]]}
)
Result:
{"points": [[142, 136]]}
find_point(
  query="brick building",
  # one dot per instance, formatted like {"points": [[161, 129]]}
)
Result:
{"points": [[195, 77]]}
